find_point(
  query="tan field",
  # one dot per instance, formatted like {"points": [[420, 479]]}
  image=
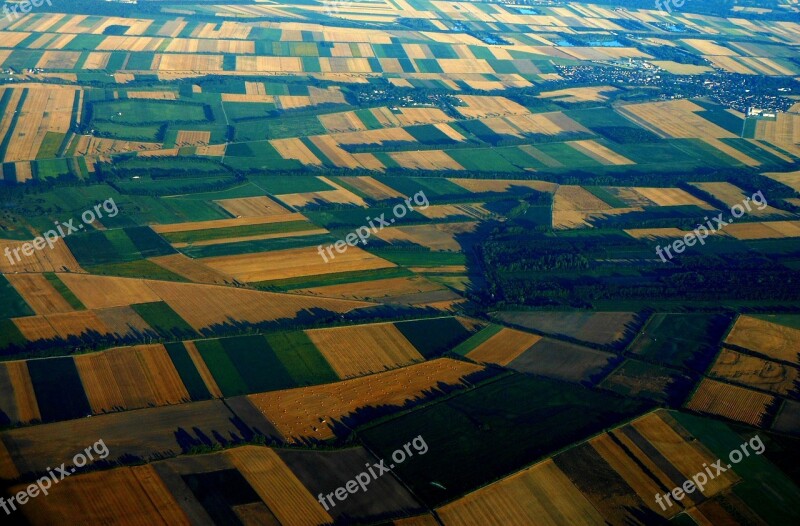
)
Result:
{"points": [[770, 339], [676, 118], [370, 290], [768, 230], [378, 136], [733, 195], [192, 138], [569, 198], [541, 494], [191, 269], [299, 413], [414, 116], [136, 493], [600, 153], [199, 63], [755, 372], [295, 149], [373, 188], [45, 110], [227, 223], [89, 145], [75, 323], [709, 47], [123, 321], [425, 160], [17, 397], [784, 131], [473, 210], [440, 236], [504, 346], [279, 488], [735, 403], [205, 305], [338, 156], [502, 185], [630, 471], [130, 378], [479, 107], [342, 122], [684, 455], [364, 349], [99, 292], [155, 95], [35, 328], [39, 293], [592, 93], [340, 195], [252, 207], [790, 179], [655, 233], [670, 197]]}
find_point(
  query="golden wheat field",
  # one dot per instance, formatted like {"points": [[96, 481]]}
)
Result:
{"points": [[364, 349], [39, 293], [136, 493], [503, 347], [755, 372], [729, 401], [770, 339], [310, 411], [539, 494], [17, 397]]}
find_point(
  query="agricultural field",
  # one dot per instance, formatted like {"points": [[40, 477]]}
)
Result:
{"points": [[262, 249]]}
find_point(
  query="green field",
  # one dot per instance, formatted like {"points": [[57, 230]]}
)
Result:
{"points": [[491, 431], [164, 320], [183, 363], [13, 305], [138, 112], [433, 337]]}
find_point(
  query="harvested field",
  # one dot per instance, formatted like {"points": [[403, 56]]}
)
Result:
{"points": [[677, 118], [295, 149], [155, 95], [600, 153], [130, 378], [378, 136], [39, 293], [281, 264], [202, 306], [339, 195], [562, 360], [541, 494], [35, 328], [364, 349], [603, 328], [414, 116], [100, 292], [374, 290], [440, 236], [17, 397], [733, 195], [770, 339], [298, 413], [252, 207], [427, 160], [192, 138], [59, 259], [471, 210], [790, 179], [373, 188], [670, 197], [571, 198], [33, 448], [123, 322], [46, 110], [755, 372], [504, 346], [279, 488], [503, 185], [590, 94], [136, 493], [191, 269], [769, 230], [342, 122], [227, 223], [480, 107], [735, 403]]}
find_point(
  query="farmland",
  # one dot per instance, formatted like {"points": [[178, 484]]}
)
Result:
{"points": [[471, 233]]}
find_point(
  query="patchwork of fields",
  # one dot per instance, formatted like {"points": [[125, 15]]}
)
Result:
{"points": [[346, 229]]}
